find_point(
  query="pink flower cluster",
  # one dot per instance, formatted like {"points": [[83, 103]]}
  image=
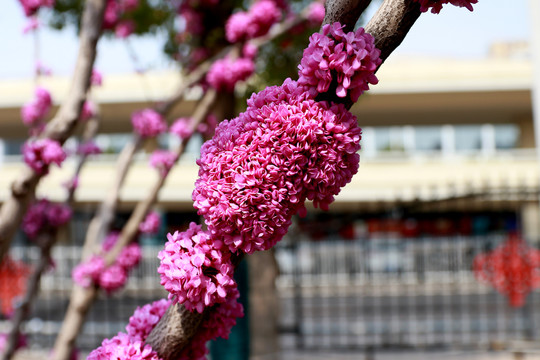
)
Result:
{"points": [[350, 59], [123, 347], [33, 113], [218, 324], [148, 123], [39, 154], [131, 346], [316, 13], [145, 318], [182, 128], [151, 223], [31, 25], [259, 168], [88, 110], [225, 73], [43, 213], [30, 7], [163, 161], [115, 276], [88, 148], [113, 18], [436, 5], [97, 78], [195, 269], [256, 22]]}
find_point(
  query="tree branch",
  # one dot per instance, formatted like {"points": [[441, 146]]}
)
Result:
{"points": [[61, 127], [391, 23], [345, 12], [46, 241]]}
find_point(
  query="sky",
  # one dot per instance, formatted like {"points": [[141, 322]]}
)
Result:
{"points": [[454, 33]]}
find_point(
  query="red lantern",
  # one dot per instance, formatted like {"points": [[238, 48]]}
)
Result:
{"points": [[513, 268], [13, 277]]}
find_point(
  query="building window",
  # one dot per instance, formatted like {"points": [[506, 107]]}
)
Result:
{"points": [[506, 136], [428, 138], [468, 138]]}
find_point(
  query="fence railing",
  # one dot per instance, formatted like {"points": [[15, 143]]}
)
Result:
{"points": [[396, 292]]}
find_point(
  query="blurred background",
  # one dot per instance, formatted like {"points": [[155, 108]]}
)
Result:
{"points": [[431, 250]]}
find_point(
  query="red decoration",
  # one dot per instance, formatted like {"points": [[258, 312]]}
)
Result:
{"points": [[513, 268], [13, 277]]}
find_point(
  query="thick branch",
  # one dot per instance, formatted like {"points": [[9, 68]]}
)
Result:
{"points": [[79, 304], [46, 241], [61, 127], [168, 338], [345, 12], [391, 23]]}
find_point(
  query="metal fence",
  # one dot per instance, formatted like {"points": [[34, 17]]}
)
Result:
{"points": [[108, 315], [382, 290], [396, 292]]}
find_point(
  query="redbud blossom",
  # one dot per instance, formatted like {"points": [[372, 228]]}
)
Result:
{"points": [[258, 169], [225, 73], [39, 154], [151, 223], [436, 5], [333, 56], [195, 269], [181, 128], [148, 123]]}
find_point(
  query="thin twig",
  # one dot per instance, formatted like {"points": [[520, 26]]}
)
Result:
{"points": [[60, 128]]}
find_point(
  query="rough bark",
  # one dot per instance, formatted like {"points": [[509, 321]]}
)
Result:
{"points": [[79, 303], [168, 337], [391, 23], [345, 12], [62, 125]]}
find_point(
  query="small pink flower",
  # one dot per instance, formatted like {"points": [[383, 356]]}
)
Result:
{"points": [[34, 112], [436, 5], [347, 60], [39, 154], [88, 110], [58, 214], [112, 14], [163, 161], [30, 7], [42, 70], [148, 123], [256, 22], [124, 28], [145, 318], [130, 256], [182, 128], [97, 78], [151, 223], [196, 269], [316, 13], [123, 347], [249, 51], [112, 278], [225, 73], [88, 148], [87, 273], [31, 25]]}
